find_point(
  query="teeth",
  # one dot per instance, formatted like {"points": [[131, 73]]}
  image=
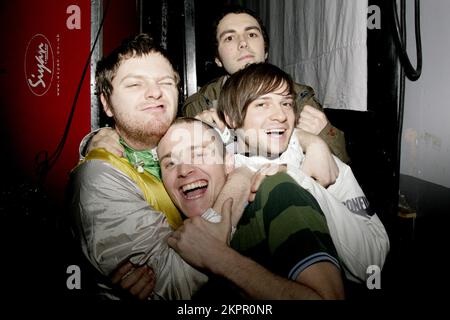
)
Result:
{"points": [[194, 185], [275, 131]]}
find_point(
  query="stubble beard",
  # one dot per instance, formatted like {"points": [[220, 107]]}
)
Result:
{"points": [[144, 134]]}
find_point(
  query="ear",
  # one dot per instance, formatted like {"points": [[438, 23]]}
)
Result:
{"points": [[106, 107], [218, 62], [229, 162], [230, 123], [266, 55]]}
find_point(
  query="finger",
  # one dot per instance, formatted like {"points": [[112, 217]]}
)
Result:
{"points": [[141, 283], [114, 134], [217, 120], [121, 272], [172, 242], [306, 116], [226, 213], [272, 169], [205, 117], [257, 182], [108, 134], [312, 111], [117, 151], [305, 126], [105, 131], [176, 234], [133, 278], [201, 116], [145, 293]]}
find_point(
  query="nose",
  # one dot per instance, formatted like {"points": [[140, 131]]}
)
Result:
{"points": [[278, 113], [184, 170], [153, 90], [242, 43]]}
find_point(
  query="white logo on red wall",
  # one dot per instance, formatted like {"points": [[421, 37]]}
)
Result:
{"points": [[39, 65]]}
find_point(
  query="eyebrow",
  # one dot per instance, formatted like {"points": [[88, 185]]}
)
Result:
{"points": [[287, 96], [192, 148], [234, 31]]}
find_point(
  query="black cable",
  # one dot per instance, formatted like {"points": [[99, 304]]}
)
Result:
{"points": [[401, 104], [43, 162], [406, 70], [400, 34]]}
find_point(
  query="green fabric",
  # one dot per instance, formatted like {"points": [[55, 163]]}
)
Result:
{"points": [[142, 160], [283, 227]]}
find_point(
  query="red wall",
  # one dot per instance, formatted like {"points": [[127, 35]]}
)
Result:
{"points": [[41, 65], [122, 20]]}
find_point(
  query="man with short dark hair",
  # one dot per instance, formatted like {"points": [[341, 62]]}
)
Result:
{"points": [[241, 39]]}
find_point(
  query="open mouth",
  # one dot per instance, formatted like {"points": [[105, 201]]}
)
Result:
{"points": [[275, 133], [194, 190]]}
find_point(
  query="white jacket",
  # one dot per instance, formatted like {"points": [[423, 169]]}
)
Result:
{"points": [[358, 234]]}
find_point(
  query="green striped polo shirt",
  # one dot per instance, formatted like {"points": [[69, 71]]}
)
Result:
{"points": [[284, 229]]}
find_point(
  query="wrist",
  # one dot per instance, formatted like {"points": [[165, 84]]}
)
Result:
{"points": [[225, 261], [328, 131]]}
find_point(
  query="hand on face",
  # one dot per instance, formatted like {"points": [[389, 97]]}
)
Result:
{"points": [[200, 242]]}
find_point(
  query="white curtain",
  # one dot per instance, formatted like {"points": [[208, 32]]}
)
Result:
{"points": [[321, 43]]}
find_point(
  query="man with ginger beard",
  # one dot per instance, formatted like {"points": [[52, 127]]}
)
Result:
{"points": [[120, 208]]}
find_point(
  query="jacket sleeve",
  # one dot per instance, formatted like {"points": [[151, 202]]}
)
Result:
{"points": [[206, 98], [114, 223], [334, 137], [195, 104]]}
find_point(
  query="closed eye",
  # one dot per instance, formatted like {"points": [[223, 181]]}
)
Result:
{"points": [[168, 164], [131, 85], [167, 83]]}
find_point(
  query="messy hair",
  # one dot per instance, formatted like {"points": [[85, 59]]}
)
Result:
{"points": [[247, 85], [136, 46]]}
